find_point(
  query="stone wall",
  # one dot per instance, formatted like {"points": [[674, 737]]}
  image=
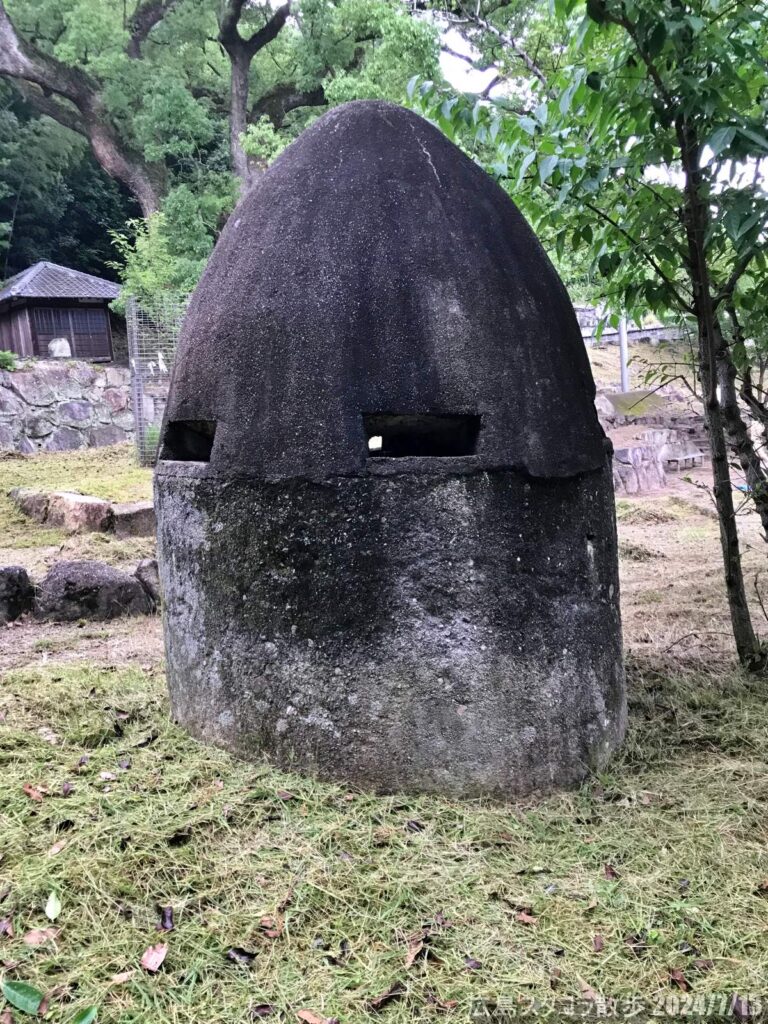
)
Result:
{"points": [[638, 469], [54, 405]]}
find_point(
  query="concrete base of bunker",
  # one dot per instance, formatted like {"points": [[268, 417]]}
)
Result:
{"points": [[406, 630]]}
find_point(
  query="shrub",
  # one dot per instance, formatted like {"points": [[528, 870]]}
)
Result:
{"points": [[7, 360]]}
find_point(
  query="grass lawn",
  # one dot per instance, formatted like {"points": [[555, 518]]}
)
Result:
{"points": [[293, 895], [109, 473], [294, 900]]}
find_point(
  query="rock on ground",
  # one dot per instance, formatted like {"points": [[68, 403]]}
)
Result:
{"points": [[134, 519], [79, 513], [148, 576], [90, 590], [17, 595]]}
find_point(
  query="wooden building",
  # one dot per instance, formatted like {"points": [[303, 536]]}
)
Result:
{"points": [[48, 301]]}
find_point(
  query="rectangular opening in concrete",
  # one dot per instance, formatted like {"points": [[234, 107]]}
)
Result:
{"points": [[398, 435], [188, 441]]}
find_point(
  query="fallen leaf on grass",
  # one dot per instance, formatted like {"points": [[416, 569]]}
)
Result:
{"points": [[472, 964], [52, 907], [6, 1017], [610, 872], [240, 956], [107, 776], [443, 1005], [57, 847], [166, 919], [395, 991], [124, 763], [418, 945], [6, 927], [414, 826], [598, 943], [154, 956], [523, 917], [677, 978], [120, 979], [67, 789], [86, 1016], [637, 944], [703, 965], [32, 792], [24, 997], [270, 927], [262, 1010], [587, 992], [285, 794], [310, 1017], [39, 936]]}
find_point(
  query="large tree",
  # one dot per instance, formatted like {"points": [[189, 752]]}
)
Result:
{"points": [[643, 144], [168, 90]]}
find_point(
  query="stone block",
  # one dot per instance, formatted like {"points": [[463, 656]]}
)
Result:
{"points": [[134, 519], [32, 503], [17, 595], [75, 414], [116, 398], [79, 513], [90, 590], [40, 423], [7, 439], [65, 439], [32, 387], [106, 434], [125, 420]]}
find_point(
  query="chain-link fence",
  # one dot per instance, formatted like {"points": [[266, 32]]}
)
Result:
{"points": [[153, 331]]}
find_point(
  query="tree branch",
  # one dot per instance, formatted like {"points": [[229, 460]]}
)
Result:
{"points": [[20, 60], [506, 39], [283, 98], [143, 20], [46, 104]]}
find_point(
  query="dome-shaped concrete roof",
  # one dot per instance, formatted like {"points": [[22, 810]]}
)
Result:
{"points": [[375, 270]]}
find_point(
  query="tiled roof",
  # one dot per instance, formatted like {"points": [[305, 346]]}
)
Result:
{"points": [[50, 281]]}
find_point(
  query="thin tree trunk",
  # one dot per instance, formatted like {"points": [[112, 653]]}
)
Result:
{"points": [[697, 218], [738, 434], [238, 112]]}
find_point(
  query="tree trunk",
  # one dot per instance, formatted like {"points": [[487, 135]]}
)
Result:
{"points": [[696, 224], [238, 112], [59, 82], [738, 435]]}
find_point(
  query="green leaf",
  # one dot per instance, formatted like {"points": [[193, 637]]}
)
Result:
{"points": [[53, 907], [24, 997], [721, 138], [527, 161], [546, 167], [86, 1016], [761, 140], [656, 39], [410, 89]]}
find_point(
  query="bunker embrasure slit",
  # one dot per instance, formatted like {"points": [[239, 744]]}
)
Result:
{"points": [[188, 441], [426, 435]]}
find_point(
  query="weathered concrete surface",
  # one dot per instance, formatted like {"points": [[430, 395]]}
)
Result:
{"points": [[89, 590], [456, 633], [17, 595], [446, 623]]}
